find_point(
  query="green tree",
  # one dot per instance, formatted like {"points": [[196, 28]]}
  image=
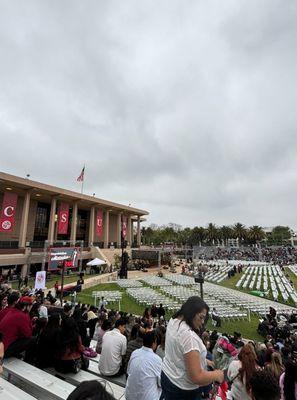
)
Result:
{"points": [[225, 233], [211, 233], [197, 236], [239, 231], [255, 234], [280, 234]]}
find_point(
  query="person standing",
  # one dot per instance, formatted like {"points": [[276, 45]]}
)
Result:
{"points": [[144, 371], [184, 365]]}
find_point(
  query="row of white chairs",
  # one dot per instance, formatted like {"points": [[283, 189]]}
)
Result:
{"points": [[128, 283], [270, 278]]}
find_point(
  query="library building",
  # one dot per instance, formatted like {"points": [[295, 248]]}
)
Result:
{"points": [[40, 223]]}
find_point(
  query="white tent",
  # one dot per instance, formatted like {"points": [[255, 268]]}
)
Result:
{"points": [[95, 262]]}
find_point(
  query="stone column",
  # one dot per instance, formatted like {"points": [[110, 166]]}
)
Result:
{"points": [[130, 231], [119, 231], [106, 229], [73, 222], [91, 226], [51, 227], [24, 221], [138, 231]]}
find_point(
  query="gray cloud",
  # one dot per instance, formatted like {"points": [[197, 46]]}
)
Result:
{"points": [[186, 109]]}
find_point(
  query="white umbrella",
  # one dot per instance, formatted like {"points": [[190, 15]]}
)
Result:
{"points": [[96, 261]]}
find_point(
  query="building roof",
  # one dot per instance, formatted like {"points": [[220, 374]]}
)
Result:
{"points": [[42, 189]]}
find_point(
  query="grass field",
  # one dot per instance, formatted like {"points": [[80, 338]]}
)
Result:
{"points": [[247, 329], [50, 282], [231, 282]]}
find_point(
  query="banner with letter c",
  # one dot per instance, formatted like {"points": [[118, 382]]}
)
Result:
{"points": [[8, 212], [63, 217], [99, 223]]}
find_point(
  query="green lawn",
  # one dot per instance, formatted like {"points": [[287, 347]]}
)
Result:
{"points": [[247, 329], [50, 282]]}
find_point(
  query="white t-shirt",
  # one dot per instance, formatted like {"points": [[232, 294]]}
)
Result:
{"points": [[43, 312], [144, 375], [114, 346], [180, 340]]}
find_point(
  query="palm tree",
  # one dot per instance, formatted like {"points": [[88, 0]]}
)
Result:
{"points": [[256, 234], [211, 233], [197, 235], [226, 233], [239, 231]]}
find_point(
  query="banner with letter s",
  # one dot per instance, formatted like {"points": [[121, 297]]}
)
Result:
{"points": [[63, 217], [8, 212], [99, 223]]}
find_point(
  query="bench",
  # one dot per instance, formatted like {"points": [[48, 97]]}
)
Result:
{"points": [[119, 380], [35, 381], [10, 392], [75, 379]]}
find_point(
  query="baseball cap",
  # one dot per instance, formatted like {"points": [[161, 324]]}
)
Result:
{"points": [[26, 300]]}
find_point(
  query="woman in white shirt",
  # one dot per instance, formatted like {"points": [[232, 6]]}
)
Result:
{"points": [[184, 364]]}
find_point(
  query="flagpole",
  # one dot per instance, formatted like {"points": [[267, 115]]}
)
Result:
{"points": [[83, 180]]}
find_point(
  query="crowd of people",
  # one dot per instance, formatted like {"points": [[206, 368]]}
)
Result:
{"points": [[168, 360], [281, 255]]}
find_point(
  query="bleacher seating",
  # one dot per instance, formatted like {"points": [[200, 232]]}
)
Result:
{"points": [[10, 392], [36, 382]]}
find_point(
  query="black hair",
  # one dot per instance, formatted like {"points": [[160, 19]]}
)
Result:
{"points": [[90, 390], [106, 324], [120, 322], [190, 308], [290, 379], [264, 385], [12, 298], [149, 338]]}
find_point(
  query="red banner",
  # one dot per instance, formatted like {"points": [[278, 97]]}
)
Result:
{"points": [[124, 226], [8, 212], [63, 218], [99, 223]]}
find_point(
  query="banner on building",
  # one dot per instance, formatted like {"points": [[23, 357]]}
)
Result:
{"points": [[63, 218], [124, 226], [59, 255], [40, 280], [8, 212], [99, 223]]}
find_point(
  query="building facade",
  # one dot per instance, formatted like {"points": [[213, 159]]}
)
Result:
{"points": [[37, 216]]}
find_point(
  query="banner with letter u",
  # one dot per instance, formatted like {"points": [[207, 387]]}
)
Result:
{"points": [[8, 212], [63, 218], [99, 223]]}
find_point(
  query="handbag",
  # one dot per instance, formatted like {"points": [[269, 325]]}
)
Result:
{"points": [[76, 365]]}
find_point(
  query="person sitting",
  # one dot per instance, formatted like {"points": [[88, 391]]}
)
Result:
{"points": [[114, 347], [288, 380], [106, 325], [90, 390], [144, 371], [135, 343], [241, 371], [48, 341], [69, 349], [264, 386], [12, 300], [16, 328]]}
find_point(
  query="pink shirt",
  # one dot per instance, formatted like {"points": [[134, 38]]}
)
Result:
{"points": [[281, 384]]}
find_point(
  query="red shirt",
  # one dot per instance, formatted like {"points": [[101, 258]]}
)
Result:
{"points": [[4, 312], [15, 325]]}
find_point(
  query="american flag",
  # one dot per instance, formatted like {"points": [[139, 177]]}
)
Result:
{"points": [[81, 176]]}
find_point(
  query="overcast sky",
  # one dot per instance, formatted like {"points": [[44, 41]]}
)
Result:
{"points": [[184, 108]]}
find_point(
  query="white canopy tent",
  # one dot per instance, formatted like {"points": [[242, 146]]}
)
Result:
{"points": [[95, 262]]}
